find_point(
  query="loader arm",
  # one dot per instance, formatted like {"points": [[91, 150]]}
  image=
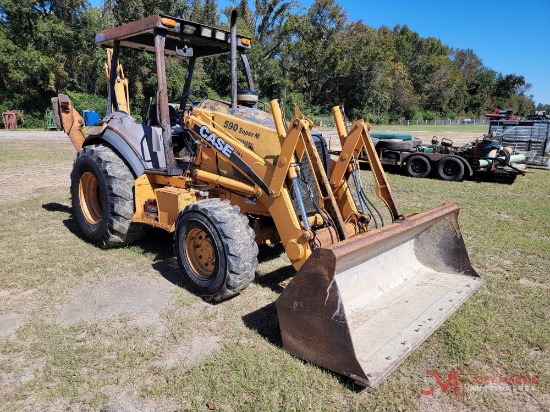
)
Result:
{"points": [[274, 185], [359, 306], [293, 235], [348, 161], [295, 144]]}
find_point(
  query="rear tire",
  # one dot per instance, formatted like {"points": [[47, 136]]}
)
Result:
{"points": [[450, 168], [418, 166], [215, 249], [103, 198]]}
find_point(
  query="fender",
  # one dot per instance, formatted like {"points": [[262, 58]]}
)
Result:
{"points": [[125, 151]]}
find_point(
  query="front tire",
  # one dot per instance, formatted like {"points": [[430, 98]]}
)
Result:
{"points": [[103, 199], [215, 249]]}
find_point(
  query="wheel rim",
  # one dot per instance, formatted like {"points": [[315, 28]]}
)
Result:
{"points": [[418, 166], [201, 253], [90, 198], [450, 169]]}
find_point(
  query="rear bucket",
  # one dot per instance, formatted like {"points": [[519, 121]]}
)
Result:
{"points": [[360, 307]]}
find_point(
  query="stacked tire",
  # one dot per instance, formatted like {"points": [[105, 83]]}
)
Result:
{"points": [[396, 144]]}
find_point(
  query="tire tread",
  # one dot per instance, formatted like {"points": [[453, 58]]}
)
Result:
{"points": [[238, 240], [119, 180]]}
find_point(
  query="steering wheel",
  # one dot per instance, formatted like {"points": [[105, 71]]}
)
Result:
{"points": [[199, 94]]}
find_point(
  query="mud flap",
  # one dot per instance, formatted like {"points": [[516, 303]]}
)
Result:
{"points": [[360, 307]]}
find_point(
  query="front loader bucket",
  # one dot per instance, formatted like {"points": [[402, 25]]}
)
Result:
{"points": [[361, 306]]}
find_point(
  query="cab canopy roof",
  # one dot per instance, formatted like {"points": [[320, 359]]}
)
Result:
{"points": [[183, 37]]}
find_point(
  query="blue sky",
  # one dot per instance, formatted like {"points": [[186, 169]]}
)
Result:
{"points": [[511, 37], [508, 36]]}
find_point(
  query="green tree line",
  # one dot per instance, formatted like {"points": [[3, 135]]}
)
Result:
{"points": [[315, 58]]}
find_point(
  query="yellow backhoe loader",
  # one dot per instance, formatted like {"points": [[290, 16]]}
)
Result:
{"points": [[226, 176]]}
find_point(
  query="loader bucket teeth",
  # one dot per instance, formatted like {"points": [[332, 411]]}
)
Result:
{"points": [[361, 306]]}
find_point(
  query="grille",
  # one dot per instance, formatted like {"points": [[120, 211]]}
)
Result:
{"points": [[307, 175]]}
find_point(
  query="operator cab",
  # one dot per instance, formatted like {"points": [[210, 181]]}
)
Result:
{"points": [[170, 36]]}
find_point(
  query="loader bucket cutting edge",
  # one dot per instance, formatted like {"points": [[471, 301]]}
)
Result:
{"points": [[361, 306]]}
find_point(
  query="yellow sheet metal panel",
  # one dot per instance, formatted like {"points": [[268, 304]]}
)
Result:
{"points": [[252, 128], [143, 190], [170, 201]]}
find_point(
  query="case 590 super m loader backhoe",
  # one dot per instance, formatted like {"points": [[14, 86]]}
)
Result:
{"points": [[225, 176]]}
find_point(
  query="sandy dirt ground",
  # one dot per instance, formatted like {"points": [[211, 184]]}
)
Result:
{"points": [[31, 135]]}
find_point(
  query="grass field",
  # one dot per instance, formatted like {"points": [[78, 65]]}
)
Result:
{"points": [[115, 330]]}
